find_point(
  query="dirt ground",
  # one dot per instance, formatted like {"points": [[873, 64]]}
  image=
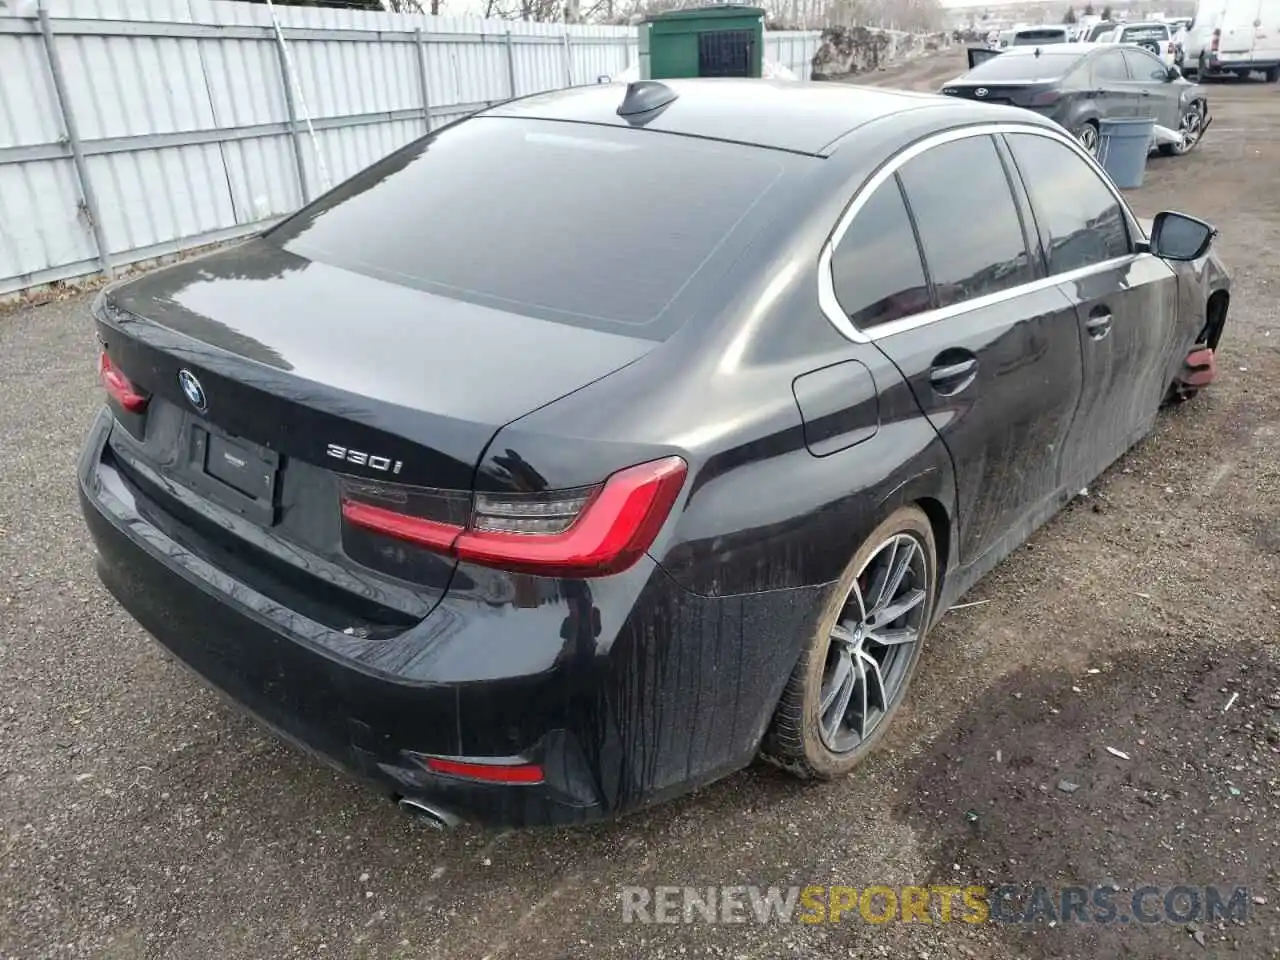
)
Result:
{"points": [[141, 817]]}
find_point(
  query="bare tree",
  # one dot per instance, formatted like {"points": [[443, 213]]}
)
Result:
{"points": [[914, 16], [536, 11], [911, 16]]}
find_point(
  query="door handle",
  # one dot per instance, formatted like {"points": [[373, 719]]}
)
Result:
{"points": [[1099, 325], [952, 375]]}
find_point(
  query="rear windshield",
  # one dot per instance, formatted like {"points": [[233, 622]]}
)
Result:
{"points": [[593, 225], [1008, 68], [1154, 31], [1026, 38], [1101, 30]]}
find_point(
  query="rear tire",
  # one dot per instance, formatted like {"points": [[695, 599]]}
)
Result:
{"points": [[819, 730], [1087, 134]]}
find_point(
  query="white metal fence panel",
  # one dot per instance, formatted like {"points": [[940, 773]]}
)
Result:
{"points": [[794, 49], [170, 123]]}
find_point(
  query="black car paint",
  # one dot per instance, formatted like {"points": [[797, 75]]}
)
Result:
{"points": [[627, 688], [1084, 95]]}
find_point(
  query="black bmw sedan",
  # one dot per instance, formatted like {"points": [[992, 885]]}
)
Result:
{"points": [[580, 452]]}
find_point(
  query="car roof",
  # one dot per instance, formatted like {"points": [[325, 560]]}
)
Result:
{"points": [[801, 117]]}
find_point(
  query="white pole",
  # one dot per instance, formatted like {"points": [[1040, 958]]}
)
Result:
{"points": [[325, 182]]}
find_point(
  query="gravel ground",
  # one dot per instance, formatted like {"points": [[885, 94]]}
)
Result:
{"points": [[142, 817]]}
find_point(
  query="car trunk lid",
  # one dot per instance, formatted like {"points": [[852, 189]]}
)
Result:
{"points": [[307, 377], [298, 355], [1029, 95]]}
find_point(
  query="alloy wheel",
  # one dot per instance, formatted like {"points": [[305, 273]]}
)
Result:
{"points": [[870, 649], [1190, 127], [1088, 137]]}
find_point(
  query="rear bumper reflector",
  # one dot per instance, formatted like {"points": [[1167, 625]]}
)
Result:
{"points": [[485, 772]]}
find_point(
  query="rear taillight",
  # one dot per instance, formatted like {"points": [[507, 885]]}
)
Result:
{"points": [[1170, 47], [1213, 44], [582, 532], [118, 386], [1046, 98]]}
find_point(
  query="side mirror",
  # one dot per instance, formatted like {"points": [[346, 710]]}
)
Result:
{"points": [[1173, 74], [604, 78], [1176, 236]]}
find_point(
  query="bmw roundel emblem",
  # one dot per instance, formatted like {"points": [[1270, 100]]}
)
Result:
{"points": [[192, 390], [980, 92]]}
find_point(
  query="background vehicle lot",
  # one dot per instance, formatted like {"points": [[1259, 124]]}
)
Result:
{"points": [[143, 817]]}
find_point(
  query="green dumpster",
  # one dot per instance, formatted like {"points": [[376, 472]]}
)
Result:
{"points": [[719, 41]]}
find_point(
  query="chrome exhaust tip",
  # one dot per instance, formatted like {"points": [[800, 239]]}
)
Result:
{"points": [[434, 816]]}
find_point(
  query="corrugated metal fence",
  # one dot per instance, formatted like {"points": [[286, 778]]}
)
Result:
{"points": [[134, 129]]}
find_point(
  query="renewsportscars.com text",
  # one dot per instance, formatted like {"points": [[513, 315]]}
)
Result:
{"points": [[1009, 903]]}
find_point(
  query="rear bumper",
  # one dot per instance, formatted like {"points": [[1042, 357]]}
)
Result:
{"points": [[1235, 62], [629, 704]]}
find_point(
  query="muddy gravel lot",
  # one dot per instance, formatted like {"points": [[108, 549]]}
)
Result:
{"points": [[142, 817]]}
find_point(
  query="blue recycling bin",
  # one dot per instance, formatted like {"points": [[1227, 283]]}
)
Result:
{"points": [[1123, 146]]}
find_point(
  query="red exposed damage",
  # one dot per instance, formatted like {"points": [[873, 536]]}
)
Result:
{"points": [[1198, 371]]}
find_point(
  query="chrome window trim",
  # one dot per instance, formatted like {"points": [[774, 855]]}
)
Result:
{"points": [[836, 315]]}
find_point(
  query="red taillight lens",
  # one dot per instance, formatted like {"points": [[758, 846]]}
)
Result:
{"points": [[1213, 45], [486, 772], [584, 532], [1046, 97], [118, 386]]}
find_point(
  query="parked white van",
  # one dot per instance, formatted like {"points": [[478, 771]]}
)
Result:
{"points": [[1234, 36]]}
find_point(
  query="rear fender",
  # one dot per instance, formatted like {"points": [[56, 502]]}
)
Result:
{"points": [[933, 490], [1080, 114]]}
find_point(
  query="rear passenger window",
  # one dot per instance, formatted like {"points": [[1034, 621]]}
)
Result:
{"points": [[876, 268], [1080, 219], [1144, 66], [969, 226], [1110, 66]]}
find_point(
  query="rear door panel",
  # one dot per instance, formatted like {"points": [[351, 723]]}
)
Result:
{"points": [[1005, 430], [1266, 37], [1112, 93], [996, 367], [1238, 28]]}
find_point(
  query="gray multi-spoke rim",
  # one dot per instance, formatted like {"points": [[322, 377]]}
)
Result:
{"points": [[1088, 137], [872, 644], [1191, 124]]}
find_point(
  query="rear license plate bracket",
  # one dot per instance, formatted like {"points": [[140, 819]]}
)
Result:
{"points": [[234, 473]]}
